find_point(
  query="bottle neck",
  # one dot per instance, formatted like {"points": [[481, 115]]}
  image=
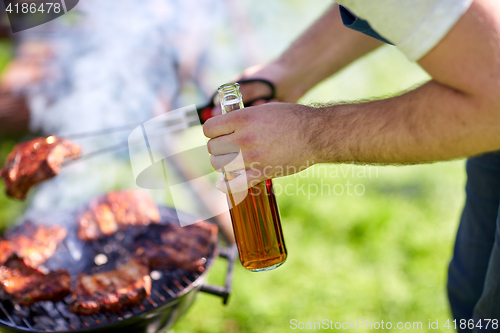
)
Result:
{"points": [[230, 97]]}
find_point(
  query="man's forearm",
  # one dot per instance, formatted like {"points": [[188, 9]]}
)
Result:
{"points": [[431, 123], [325, 48]]}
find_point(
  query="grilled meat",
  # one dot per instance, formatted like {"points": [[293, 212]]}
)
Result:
{"points": [[35, 243], [6, 250], [170, 246], [97, 221], [117, 210], [26, 285], [34, 161], [111, 291]]}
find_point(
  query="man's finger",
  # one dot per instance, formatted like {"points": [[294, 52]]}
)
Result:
{"points": [[244, 181], [217, 126], [224, 161], [217, 147], [228, 162]]}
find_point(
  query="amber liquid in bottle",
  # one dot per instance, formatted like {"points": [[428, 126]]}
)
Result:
{"points": [[256, 218], [257, 229]]}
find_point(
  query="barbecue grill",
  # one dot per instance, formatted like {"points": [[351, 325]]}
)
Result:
{"points": [[172, 292]]}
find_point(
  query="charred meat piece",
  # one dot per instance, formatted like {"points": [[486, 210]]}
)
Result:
{"points": [[26, 285], [6, 250], [170, 246], [33, 162], [35, 243], [117, 210], [97, 221], [133, 207], [111, 291]]}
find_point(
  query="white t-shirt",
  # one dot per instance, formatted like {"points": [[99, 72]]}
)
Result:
{"points": [[413, 26]]}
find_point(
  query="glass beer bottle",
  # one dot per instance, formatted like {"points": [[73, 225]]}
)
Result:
{"points": [[256, 219]]}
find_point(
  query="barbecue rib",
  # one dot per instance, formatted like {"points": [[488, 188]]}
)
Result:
{"points": [[116, 210], [35, 243], [111, 291], [6, 250], [25, 285], [33, 162], [170, 246]]}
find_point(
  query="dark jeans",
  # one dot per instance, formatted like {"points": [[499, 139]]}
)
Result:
{"points": [[474, 272]]}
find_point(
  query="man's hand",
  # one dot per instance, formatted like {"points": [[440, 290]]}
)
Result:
{"points": [[273, 138]]}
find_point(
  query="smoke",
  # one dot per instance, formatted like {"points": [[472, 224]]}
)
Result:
{"points": [[116, 62]]}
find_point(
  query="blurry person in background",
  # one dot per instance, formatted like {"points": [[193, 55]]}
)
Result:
{"points": [[26, 69], [456, 114]]}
